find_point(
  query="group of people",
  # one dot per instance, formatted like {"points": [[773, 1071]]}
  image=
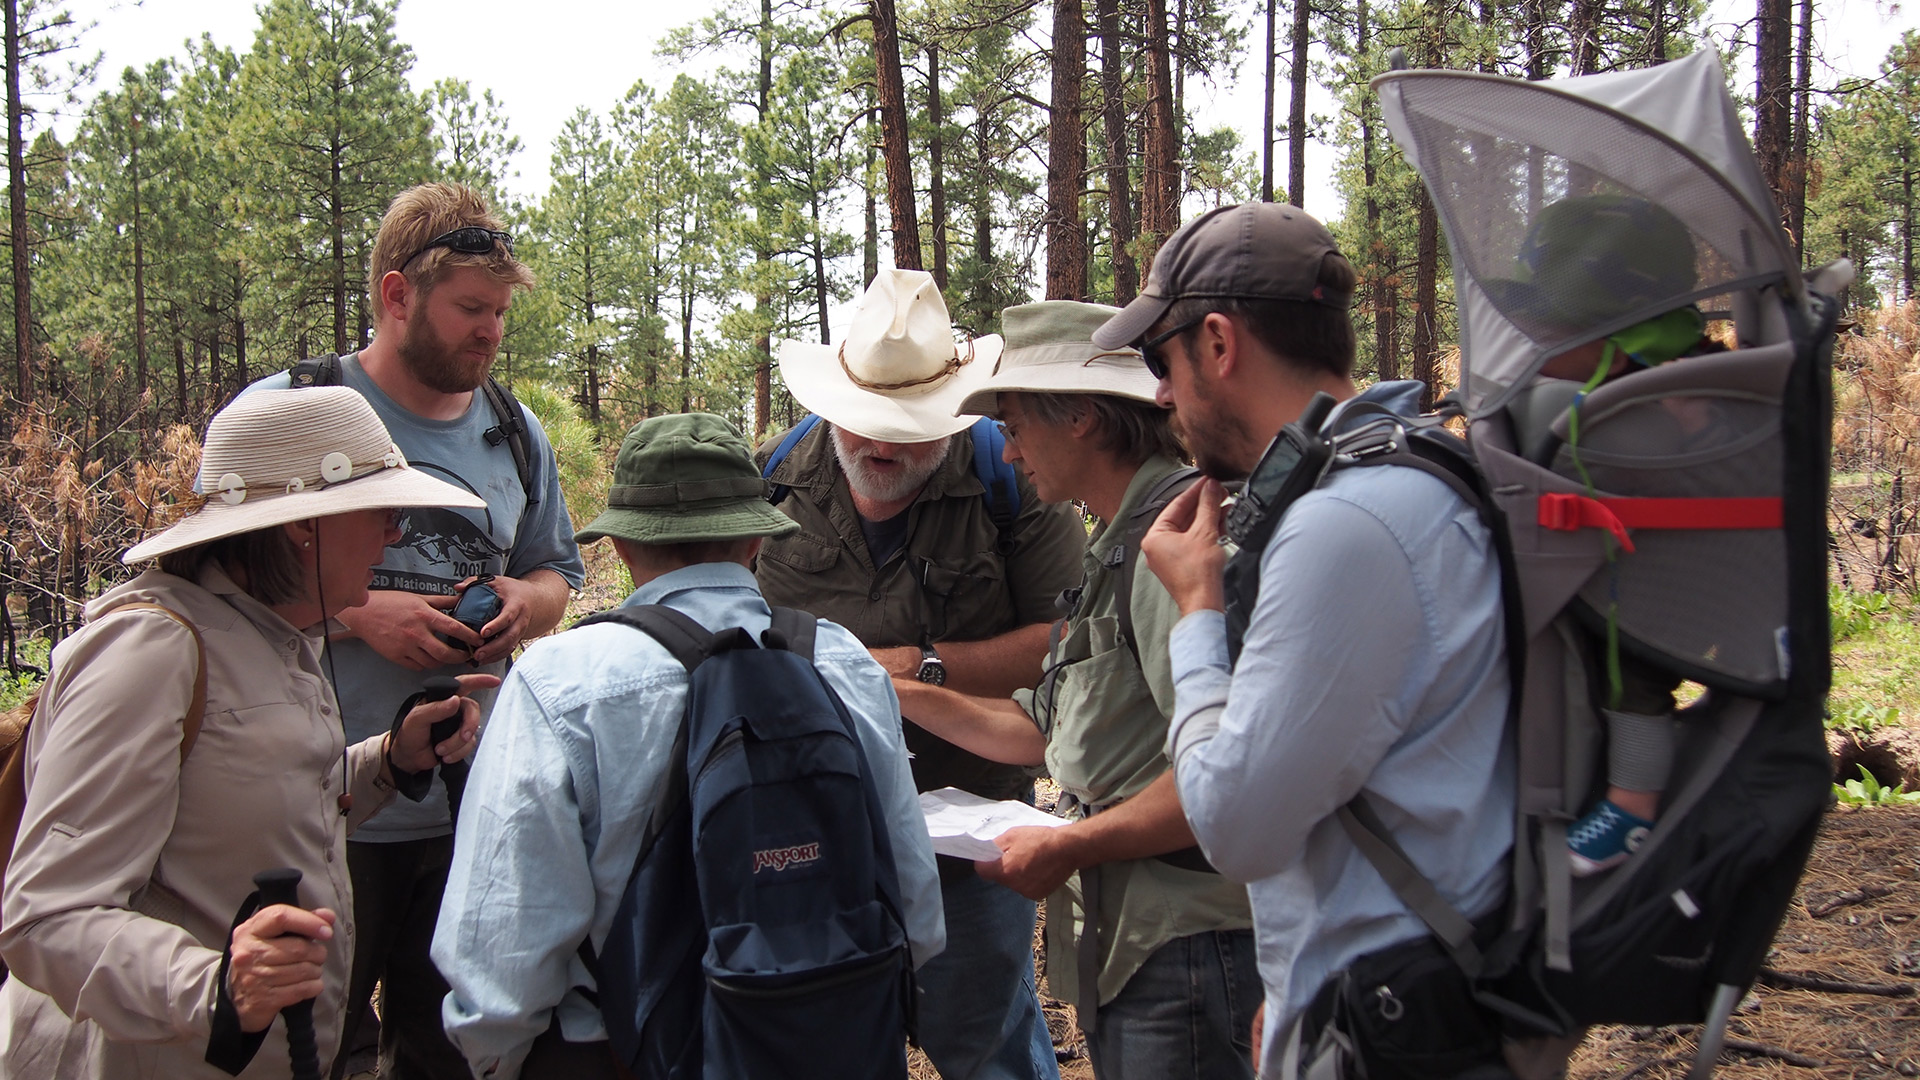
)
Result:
{"points": [[233, 708]]}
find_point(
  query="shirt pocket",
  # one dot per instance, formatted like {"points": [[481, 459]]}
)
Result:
{"points": [[1106, 732], [970, 591], [800, 553]]}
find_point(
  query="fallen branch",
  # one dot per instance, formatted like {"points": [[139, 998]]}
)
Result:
{"points": [[1787, 980], [1857, 896], [1638, 1070], [1778, 1053]]}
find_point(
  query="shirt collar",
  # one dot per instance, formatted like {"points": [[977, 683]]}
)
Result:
{"points": [[712, 575], [215, 579], [1150, 472]]}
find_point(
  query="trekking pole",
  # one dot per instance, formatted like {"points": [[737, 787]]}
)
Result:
{"points": [[282, 887], [452, 773]]}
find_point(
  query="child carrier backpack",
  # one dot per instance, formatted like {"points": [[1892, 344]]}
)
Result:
{"points": [[761, 933], [1673, 519], [996, 476], [511, 429]]}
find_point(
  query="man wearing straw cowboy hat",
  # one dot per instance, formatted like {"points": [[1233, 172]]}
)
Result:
{"points": [[897, 544], [1164, 977], [441, 279], [547, 866]]}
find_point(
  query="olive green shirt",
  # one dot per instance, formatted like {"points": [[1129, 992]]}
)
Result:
{"points": [[946, 583], [1105, 717]]}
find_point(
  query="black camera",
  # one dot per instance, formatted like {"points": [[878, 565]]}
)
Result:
{"points": [[477, 606]]}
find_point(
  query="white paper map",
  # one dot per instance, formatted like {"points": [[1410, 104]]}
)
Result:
{"points": [[964, 825]]}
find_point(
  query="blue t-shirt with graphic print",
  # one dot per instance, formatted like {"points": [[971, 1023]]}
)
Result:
{"points": [[440, 547]]}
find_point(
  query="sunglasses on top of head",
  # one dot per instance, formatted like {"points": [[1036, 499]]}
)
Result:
{"points": [[470, 240], [1150, 353]]}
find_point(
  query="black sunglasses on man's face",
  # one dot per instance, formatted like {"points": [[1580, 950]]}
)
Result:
{"points": [[1150, 348], [471, 240]]}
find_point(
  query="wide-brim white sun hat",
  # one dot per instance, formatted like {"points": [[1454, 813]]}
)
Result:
{"points": [[898, 375], [1050, 350], [276, 456]]}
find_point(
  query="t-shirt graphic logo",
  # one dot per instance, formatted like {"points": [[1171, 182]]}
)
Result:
{"points": [[447, 541], [782, 857]]}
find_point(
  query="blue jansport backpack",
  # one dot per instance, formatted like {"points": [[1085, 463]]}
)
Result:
{"points": [[761, 934]]}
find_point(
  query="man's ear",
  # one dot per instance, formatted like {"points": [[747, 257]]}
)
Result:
{"points": [[397, 295], [1216, 348]]}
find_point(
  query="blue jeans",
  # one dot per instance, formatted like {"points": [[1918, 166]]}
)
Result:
{"points": [[979, 1014], [1187, 1013]]}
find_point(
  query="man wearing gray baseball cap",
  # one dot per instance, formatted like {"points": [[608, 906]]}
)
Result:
{"points": [[1372, 663]]}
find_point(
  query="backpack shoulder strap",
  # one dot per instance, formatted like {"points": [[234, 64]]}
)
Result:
{"points": [[780, 452], [686, 639], [197, 709], [512, 430], [1127, 551], [315, 371], [13, 776], [999, 479], [796, 631]]}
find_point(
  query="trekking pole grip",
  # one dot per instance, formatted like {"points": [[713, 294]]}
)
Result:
{"points": [[283, 887]]}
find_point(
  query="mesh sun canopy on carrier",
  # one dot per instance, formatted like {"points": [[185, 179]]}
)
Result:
{"points": [[1669, 520]]}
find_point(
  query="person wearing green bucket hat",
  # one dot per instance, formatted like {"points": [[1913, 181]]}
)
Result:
{"points": [[576, 768], [1169, 936], [1593, 259]]}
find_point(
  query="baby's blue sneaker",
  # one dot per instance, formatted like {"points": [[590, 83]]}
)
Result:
{"points": [[1604, 838]]}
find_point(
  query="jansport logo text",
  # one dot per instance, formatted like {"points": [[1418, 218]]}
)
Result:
{"points": [[781, 858]]}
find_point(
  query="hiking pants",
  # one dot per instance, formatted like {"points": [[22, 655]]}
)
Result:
{"points": [[979, 1012], [1187, 1014], [396, 901]]}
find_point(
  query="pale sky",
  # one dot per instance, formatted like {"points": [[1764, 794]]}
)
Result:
{"points": [[543, 60]]}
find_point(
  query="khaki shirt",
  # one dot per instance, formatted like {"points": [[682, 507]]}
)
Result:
{"points": [[131, 865], [946, 572], [1105, 716]]}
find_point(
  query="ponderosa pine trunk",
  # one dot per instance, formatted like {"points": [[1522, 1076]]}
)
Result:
{"points": [[1126, 273], [1067, 156], [1297, 112], [890, 86], [1160, 199], [936, 166], [18, 237]]}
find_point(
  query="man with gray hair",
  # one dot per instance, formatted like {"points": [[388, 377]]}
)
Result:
{"points": [[1151, 944], [899, 543]]}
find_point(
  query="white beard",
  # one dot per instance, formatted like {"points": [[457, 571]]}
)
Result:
{"points": [[870, 483]]}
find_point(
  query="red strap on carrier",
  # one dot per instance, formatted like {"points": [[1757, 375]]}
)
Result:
{"points": [[1568, 512]]}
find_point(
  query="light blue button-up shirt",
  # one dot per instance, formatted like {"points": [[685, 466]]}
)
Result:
{"points": [[569, 779], [1374, 663]]}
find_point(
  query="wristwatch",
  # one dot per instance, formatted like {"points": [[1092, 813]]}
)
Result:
{"points": [[932, 670]]}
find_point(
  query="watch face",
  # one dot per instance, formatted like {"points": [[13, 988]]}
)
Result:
{"points": [[933, 671]]}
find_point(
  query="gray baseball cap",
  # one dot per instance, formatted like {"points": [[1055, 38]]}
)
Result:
{"points": [[1250, 251]]}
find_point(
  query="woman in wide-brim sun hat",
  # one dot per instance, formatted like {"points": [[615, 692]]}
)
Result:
{"points": [[136, 850]]}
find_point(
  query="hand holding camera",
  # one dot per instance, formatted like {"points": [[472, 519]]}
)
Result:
{"points": [[478, 605]]}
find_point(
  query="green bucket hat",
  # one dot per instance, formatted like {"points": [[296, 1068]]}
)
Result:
{"points": [[1592, 259], [682, 479]]}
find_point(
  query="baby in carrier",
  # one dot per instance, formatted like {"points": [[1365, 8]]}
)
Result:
{"points": [[1584, 260]]}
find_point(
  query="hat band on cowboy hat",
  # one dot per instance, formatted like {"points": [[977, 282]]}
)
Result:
{"points": [[1050, 350], [897, 375], [276, 456], [682, 479]]}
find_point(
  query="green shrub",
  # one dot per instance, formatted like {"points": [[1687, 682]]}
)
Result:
{"points": [[1868, 791], [1860, 716], [585, 472], [1854, 613]]}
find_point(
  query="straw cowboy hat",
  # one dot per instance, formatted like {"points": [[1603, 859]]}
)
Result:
{"points": [[1050, 350], [275, 456], [898, 375]]}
